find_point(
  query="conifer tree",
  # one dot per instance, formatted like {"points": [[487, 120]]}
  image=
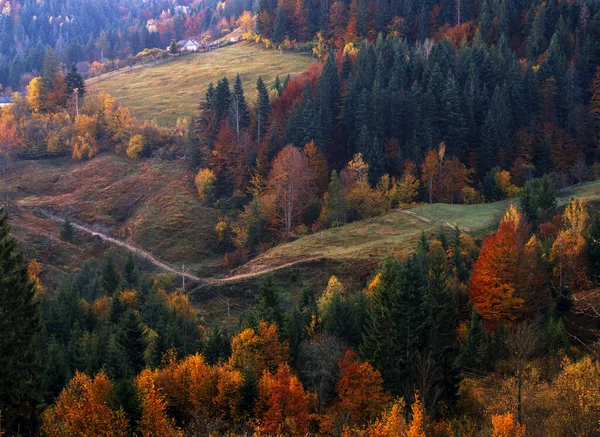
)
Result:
{"points": [[379, 345], [262, 108], [110, 276], [268, 308], [20, 390], [67, 232], [130, 272], [239, 108], [222, 98], [74, 82], [473, 354], [334, 203]]}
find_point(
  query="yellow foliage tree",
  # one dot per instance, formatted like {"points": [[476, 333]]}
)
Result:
{"points": [[36, 95], [136, 147], [205, 184]]}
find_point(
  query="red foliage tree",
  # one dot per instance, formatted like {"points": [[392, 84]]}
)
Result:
{"points": [[283, 405], [506, 283]]}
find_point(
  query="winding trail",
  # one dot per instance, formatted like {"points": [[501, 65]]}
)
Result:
{"points": [[149, 257]]}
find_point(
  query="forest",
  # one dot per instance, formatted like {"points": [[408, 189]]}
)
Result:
{"points": [[486, 334]]}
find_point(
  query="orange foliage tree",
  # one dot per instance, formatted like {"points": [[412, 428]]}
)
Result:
{"points": [[290, 188], [196, 389], [417, 423], [361, 397], [283, 405], [452, 181], [505, 425], [82, 410], [506, 281], [154, 420], [259, 350]]}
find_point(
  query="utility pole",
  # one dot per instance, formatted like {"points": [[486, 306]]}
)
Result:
{"points": [[183, 276], [228, 313]]}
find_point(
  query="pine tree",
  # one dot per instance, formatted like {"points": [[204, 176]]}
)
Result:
{"points": [[20, 390], [334, 202], [239, 108], [268, 308], [110, 276], [130, 272], [546, 196], [74, 82], [473, 353], [67, 231], [130, 337], [527, 201], [280, 29], [262, 108], [379, 345], [328, 94], [222, 98]]}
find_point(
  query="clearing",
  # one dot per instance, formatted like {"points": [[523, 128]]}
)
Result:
{"points": [[173, 90]]}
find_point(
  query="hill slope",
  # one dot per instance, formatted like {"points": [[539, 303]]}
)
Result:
{"points": [[173, 90]]}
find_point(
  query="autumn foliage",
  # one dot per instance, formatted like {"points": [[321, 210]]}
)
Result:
{"points": [[506, 283], [83, 409]]}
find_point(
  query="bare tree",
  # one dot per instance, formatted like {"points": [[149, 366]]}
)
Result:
{"points": [[319, 358], [522, 342]]}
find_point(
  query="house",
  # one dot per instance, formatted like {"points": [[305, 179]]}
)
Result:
{"points": [[234, 39], [5, 101], [189, 45]]}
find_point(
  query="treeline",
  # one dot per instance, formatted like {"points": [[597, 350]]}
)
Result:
{"points": [[463, 119], [100, 31], [56, 117], [111, 351]]}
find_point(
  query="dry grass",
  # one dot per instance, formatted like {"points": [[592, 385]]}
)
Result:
{"points": [[173, 90], [167, 219]]}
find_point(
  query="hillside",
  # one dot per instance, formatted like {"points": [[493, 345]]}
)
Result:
{"points": [[173, 90], [152, 204]]}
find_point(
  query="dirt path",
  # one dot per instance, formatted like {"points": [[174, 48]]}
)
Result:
{"points": [[147, 256], [137, 251]]}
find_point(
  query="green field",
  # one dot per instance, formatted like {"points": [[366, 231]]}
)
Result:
{"points": [[169, 91]]}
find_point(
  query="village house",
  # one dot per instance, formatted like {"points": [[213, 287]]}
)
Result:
{"points": [[5, 101]]}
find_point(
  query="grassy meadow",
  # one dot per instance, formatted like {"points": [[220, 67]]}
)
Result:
{"points": [[172, 90]]}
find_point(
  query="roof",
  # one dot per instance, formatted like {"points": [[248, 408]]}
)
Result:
{"points": [[6, 99]]}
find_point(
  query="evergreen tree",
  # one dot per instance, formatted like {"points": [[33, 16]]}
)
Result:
{"points": [[239, 107], [20, 390], [268, 307], [546, 196], [67, 232], [334, 202], [379, 345], [440, 320], [130, 272], [473, 353], [262, 108], [74, 82], [222, 98], [173, 49], [130, 337], [527, 201], [280, 29], [110, 276], [217, 347], [328, 94]]}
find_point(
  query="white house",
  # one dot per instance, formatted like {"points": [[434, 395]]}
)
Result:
{"points": [[189, 45], [5, 101]]}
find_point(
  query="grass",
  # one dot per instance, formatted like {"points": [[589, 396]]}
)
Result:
{"points": [[353, 251], [173, 90], [152, 204]]}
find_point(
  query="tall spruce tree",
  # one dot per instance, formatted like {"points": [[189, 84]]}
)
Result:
{"points": [[379, 345], [20, 366], [262, 109], [239, 108]]}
